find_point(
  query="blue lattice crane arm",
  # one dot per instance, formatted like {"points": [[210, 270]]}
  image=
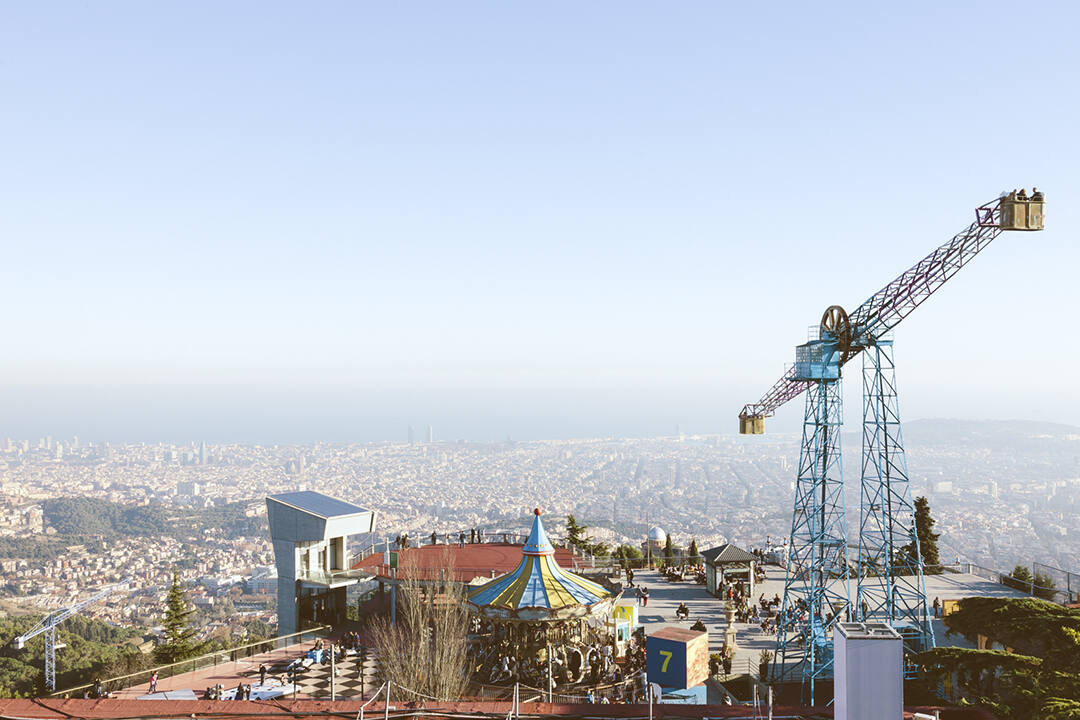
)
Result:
{"points": [[888, 306], [55, 618], [48, 625]]}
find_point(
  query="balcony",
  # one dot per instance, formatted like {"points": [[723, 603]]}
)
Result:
{"points": [[333, 578]]}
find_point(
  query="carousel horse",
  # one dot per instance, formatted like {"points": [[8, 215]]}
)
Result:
{"points": [[575, 664]]}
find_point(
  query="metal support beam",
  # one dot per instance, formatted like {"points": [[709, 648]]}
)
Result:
{"points": [[891, 588], [816, 587], [50, 655]]}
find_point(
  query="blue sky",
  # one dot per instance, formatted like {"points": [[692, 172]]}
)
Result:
{"points": [[270, 221]]}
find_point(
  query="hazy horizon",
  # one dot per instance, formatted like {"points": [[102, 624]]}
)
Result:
{"points": [[254, 414], [256, 220]]}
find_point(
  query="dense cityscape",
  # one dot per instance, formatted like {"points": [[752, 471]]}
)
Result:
{"points": [[1000, 497]]}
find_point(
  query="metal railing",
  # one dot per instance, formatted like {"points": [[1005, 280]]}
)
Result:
{"points": [[1061, 595], [332, 577], [444, 539], [219, 657], [1065, 582]]}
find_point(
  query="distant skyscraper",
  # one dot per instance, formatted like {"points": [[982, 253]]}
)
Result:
{"points": [[411, 438], [59, 451], [202, 453], [430, 434]]}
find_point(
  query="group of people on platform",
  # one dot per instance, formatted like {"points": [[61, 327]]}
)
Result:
{"points": [[570, 663], [475, 536], [677, 573]]}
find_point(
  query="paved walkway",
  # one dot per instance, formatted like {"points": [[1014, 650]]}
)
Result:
{"points": [[664, 598], [312, 683]]}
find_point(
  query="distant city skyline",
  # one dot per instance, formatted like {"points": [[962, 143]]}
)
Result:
{"points": [[246, 222], [276, 415]]}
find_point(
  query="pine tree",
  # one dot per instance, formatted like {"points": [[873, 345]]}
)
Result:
{"points": [[669, 548], [924, 529], [1020, 579], [179, 637], [1044, 586], [575, 533], [692, 551]]}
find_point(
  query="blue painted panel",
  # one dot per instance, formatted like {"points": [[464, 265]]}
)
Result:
{"points": [[665, 662]]}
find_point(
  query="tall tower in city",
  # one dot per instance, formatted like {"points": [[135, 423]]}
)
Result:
{"points": [[430, 434], [412, 437], [202, 453]]}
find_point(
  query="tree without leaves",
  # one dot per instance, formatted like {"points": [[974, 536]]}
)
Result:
{"points": [[179, 636], [425, 652]]}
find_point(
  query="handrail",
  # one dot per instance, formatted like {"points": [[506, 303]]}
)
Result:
{"points": [[425, 541], [192, 664], [360, 713]]}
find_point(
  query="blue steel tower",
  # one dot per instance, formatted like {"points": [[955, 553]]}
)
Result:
{"points": [[816, 587], [889, 569], [891, 587]]}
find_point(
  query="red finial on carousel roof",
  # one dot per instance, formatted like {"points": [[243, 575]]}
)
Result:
{"points": [[536, 511]]}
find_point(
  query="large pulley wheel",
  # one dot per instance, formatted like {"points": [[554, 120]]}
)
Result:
{"points": [[835, 321]]}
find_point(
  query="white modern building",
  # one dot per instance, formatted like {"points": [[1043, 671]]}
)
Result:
{"points": [[310, 534]]}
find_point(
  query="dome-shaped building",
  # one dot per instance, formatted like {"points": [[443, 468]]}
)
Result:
{"points": [[657, 535]]}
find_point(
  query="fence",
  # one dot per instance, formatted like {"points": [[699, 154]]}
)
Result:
{"points": [[613, 563], [444, 539], [213, 659], [1052, 592], [1066, 583]]}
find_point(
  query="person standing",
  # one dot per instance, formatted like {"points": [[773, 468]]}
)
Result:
{"points": [[153, 682], [644, 597], [937, 607], [262, 675]]}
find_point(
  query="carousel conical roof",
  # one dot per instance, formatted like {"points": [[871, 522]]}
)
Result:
{"points": [[539, 589]]}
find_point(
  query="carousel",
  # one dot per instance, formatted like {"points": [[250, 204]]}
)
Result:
{"points": [[541, 625]]}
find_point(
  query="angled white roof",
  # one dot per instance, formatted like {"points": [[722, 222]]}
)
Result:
{"points": [[317, 504], [308, 515]]}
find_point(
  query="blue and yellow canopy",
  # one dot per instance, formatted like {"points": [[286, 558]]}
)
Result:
{"points": [[538, 589]]}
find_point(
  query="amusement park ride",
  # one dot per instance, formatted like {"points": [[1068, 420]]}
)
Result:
{"points": [[890, 586]]}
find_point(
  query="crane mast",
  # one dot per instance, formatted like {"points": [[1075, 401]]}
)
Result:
{"points": [[48, 624], [889, 569]]}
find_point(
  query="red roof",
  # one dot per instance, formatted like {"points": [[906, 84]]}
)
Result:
{"points": [[466, 563]]}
